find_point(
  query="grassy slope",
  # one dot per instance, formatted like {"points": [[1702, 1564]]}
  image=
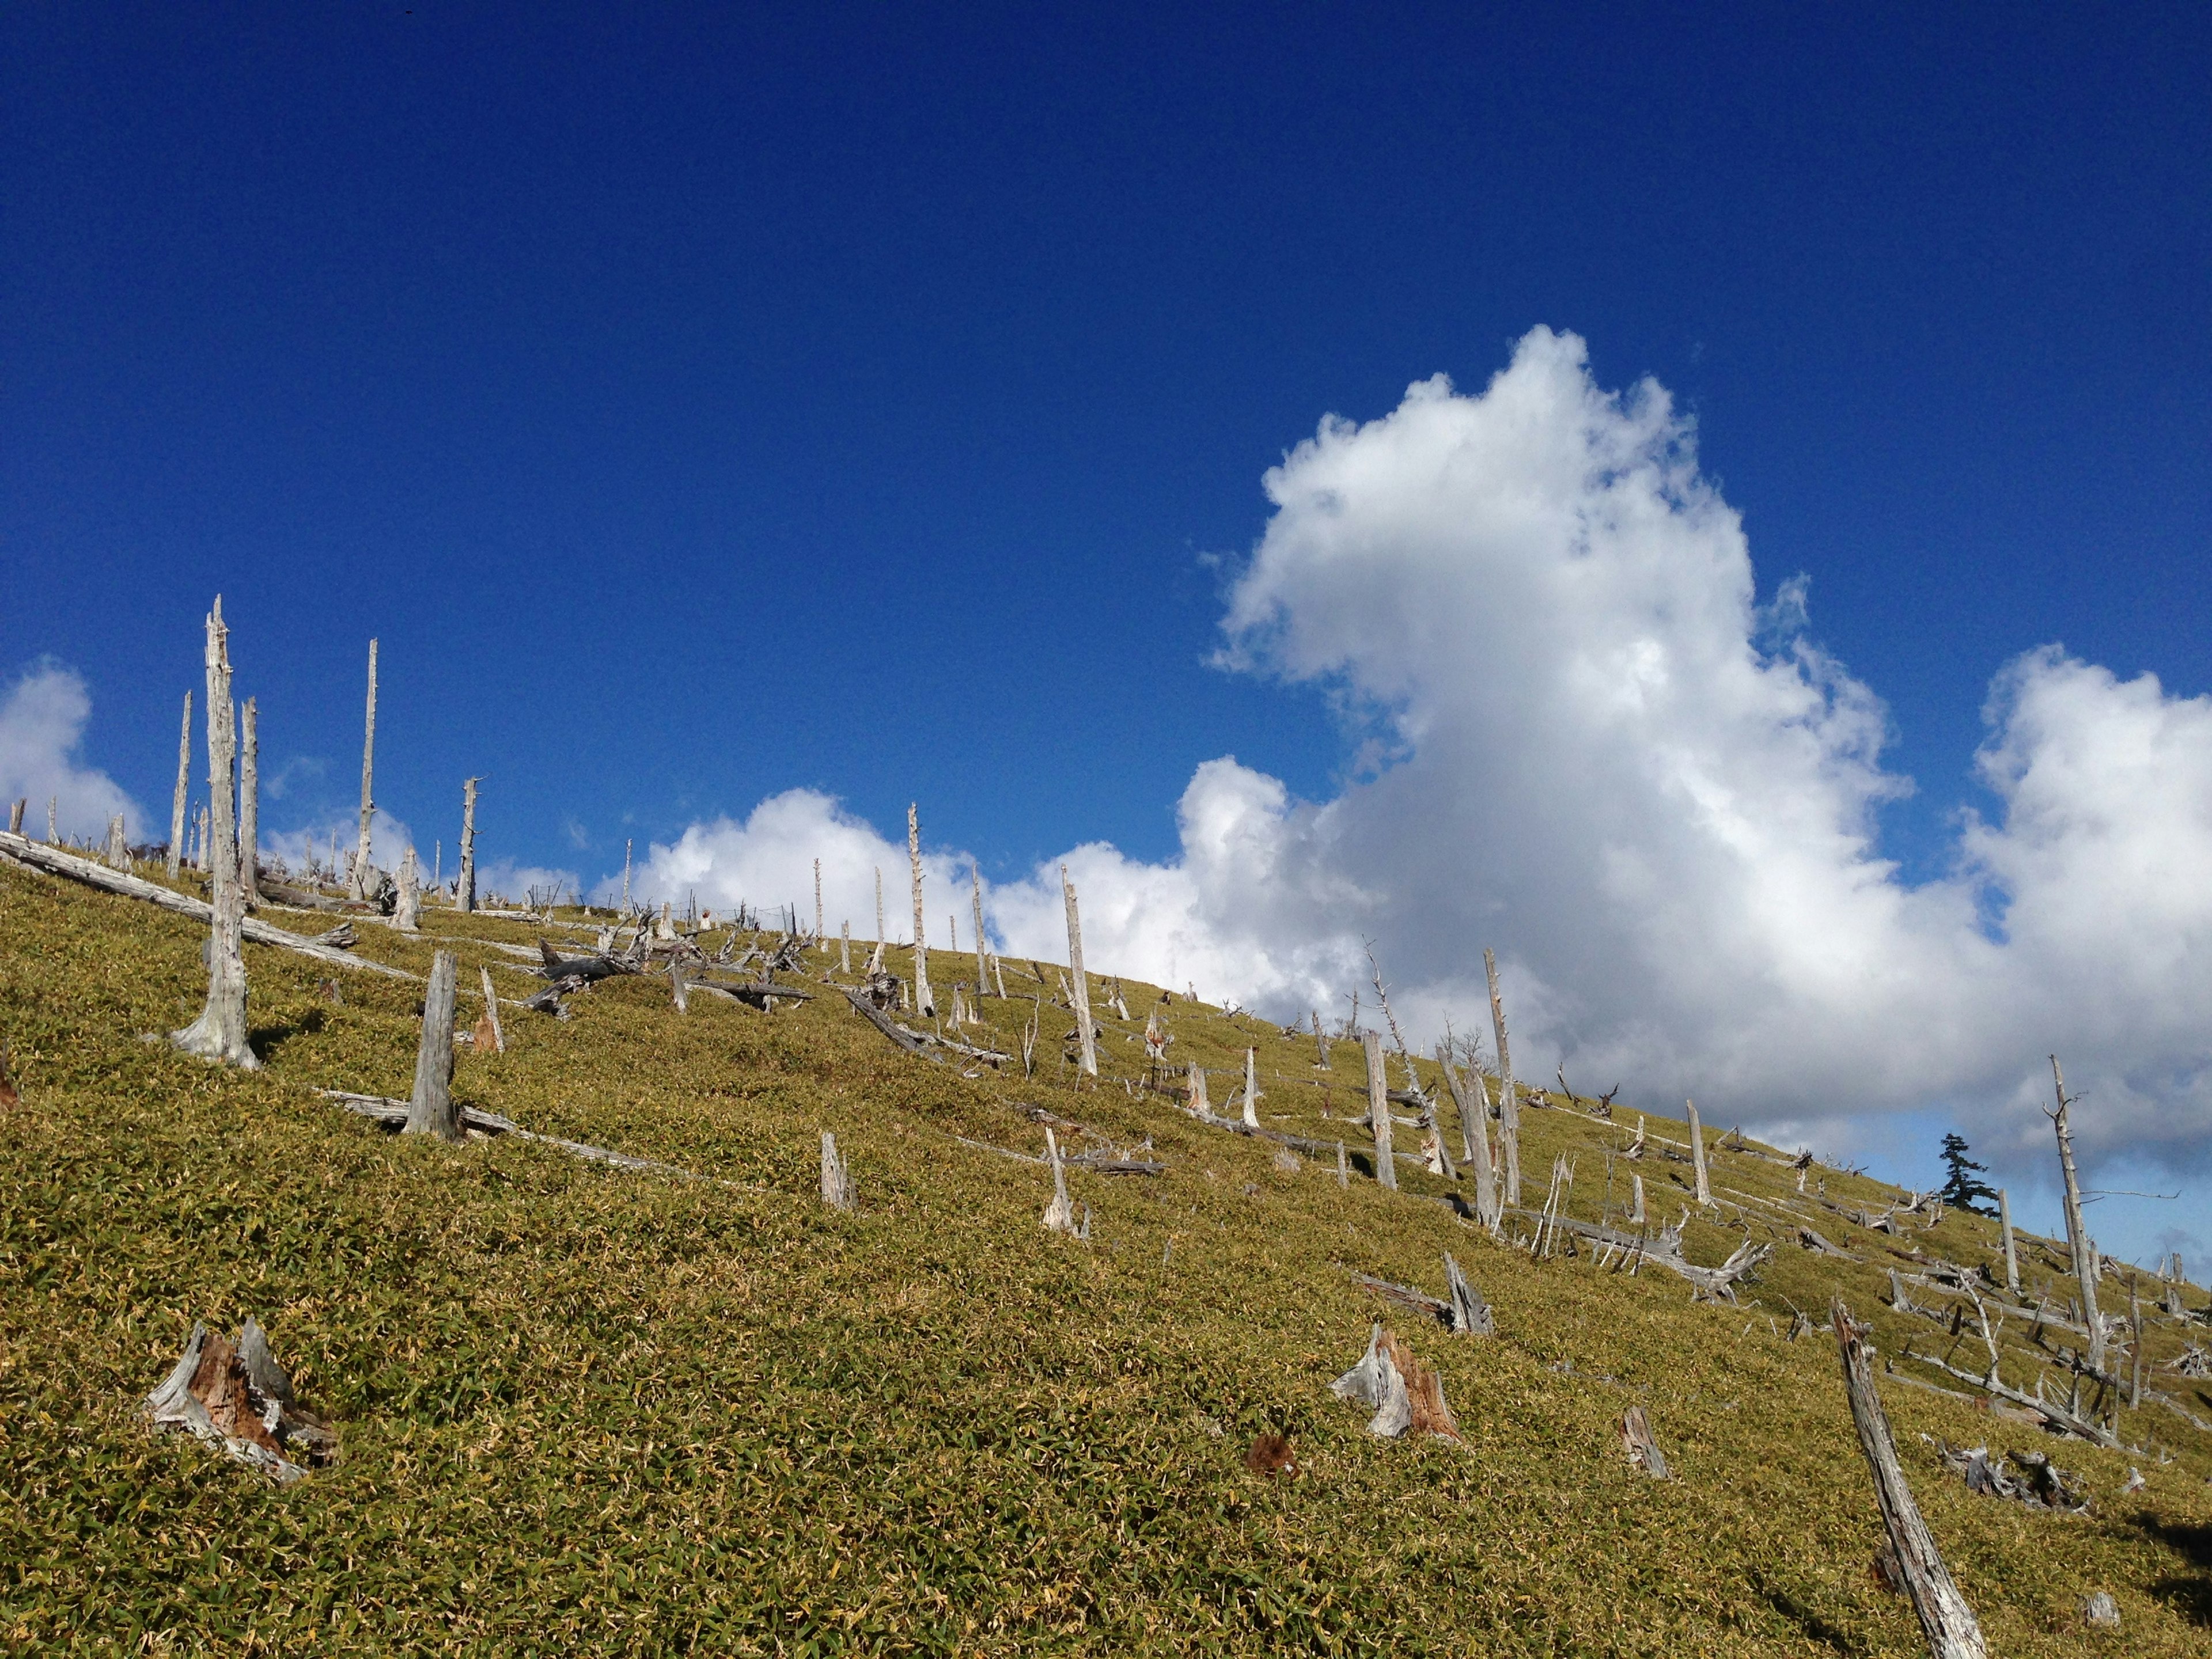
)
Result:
{"points": [[588, 1410]]}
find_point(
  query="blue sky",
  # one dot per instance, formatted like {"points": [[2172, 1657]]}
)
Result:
{"points": [[701, 407]]}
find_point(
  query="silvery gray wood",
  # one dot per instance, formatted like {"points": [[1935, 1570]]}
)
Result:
{"points": [[1698, 1156], [219, 1034], [249, 804], [1474, 1134], [1378, 1109], [177, 811], [491, 1007], [464, 885], [359, 886], [924, 1003], [1080, 987], [431, 1110], [836, 1179], [1509, 1108], [2077, 1235]]}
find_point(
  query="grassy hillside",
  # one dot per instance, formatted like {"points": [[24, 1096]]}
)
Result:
{"points": [[587, 1409]]}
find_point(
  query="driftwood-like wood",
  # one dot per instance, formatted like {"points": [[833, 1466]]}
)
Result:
{"points": [[1474, 1135], [1698, 1156], [2011, 1257], [1060, 1214], [406, 910], [236, 1396], [361, 884], [176, 863], [1251, 1088], [901, 1038], [983, 946], [1378, 1109], [431, 1110], [22, 803], [219, 1034], [249, 803], [464, 885], [491, 1013], [837, 1190], [2077, 1234], [924, 1003], [1508, 1106], [1635, 1439], [1405, 1394], [1470, 1314], [392, 1115], [1944, 1619], [844, 947], [117, 852], [1080, 987]]}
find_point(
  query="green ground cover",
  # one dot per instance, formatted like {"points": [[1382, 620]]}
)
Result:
{"points": [[589, 1410]]}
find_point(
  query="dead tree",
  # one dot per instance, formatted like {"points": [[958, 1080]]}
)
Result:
{"points": [[15, 814], [491, 1013], [1508, 1105], [923, 1002], [1474, 1136], [119, 845], [1470, 1314], [844, 947], [1080, 989], [464, 885], [1251, 1088], [2011, 1261], [836, 1177], [2077, 1235], [219, 1033], [1698, 1156], [184, 789], [1637, 1440], [879, 915], [982, 950], [406, 914], [818, 900], [360, 886], [1378, 1109], [431, 1110], [1944, 1619], [1060, 1214], [249, 807]]}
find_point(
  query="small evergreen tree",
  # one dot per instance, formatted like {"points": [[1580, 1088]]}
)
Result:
{"points": [[1962, 1187]]}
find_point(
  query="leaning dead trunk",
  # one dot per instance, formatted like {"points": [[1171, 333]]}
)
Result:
{"points": [[1698, 1156], [923, 1002], [1378, 1109], [249, 807], [491, 1013], [2011, 1261], [1474, 1135], [1944, 1619], [1509, 1104], [1080, 987], [431, 1110], [184, 795], [219, 1033], [360, 886], [2077, 1234], [465, 886]]}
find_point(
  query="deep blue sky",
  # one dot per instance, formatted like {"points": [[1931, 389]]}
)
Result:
{"points": [[700, 406]]}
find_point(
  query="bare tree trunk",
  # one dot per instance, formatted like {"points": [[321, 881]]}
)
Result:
{"points": [[1474, 1134], [2077, 1235], [836, 1176], [1081, 987], [15, 814], [200, 844], [2011, 1261], [844, 947], [817, 902], [1944, 1619], [626, 847], [879, 909], [983, 950], [184, 790], [119, 845], [1251, 1088], [360, 886], [53, 831], [1636, 1212], [1378, 1109], [491, 1010], [431, 1110], [219, 1033], [406, 914], [249, 807], [1698, 1156], [924, 1003], [1509, 1104], [464, 896]]}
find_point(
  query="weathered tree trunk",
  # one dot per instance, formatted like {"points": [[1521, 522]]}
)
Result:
{"points": [[2077, 1235], [1470, 1314], [818, 930], [1196, 1079], [1251, 1088], [465, 894], [431, 1110], [200, 844], [626, 847], [982, 949], [1378, 1109], [879, 909], [360, 885], [836, 1178], [844, 947], [53, 831], [1509, 1104], [1636, 1209], [119, 845], [1643, 1449], [2011, 1261], [183, 795], [1698, 1156], [249, 807], [1060, 1214], [1081, 988], [15, 814], [219, 1033], [406, 909], [491, 1011], [1944, 1619], [924, 1003], [1474, 1135]]}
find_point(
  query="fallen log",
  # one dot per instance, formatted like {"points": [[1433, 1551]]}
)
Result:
{"points": [[52, 860], [392, 1114], [1663, 1249], [905, 1039]]}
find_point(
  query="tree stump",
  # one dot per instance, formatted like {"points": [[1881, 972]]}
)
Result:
{"points": [[836, 1178], [236, 1396], [431, 1110], [1636, 1440]]}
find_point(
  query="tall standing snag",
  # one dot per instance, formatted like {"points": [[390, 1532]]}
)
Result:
{"points": [[2077, 1235], [431, 1110], [1378, 1109], [1251, 1088], [465, 886], [1509, 1104], [2011, 1258], [249, 807], [1080, 987], [1944, 1619], [923, 1002], [360, 885], [183, 789], [1698, 1156], [982, 949], [220, 1031], [1474, 1135]]}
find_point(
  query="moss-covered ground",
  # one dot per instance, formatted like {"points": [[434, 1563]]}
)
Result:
{"points": [[590, 1410]]}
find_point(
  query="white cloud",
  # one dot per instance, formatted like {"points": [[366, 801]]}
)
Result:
{"points": [[1593, 749], [388, 840], [42, 721]]}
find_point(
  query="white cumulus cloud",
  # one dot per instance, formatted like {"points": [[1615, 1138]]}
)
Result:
{"points": [[42, 721]]}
